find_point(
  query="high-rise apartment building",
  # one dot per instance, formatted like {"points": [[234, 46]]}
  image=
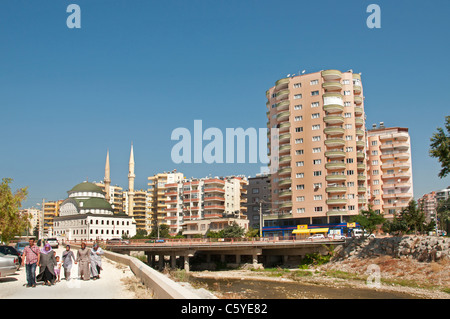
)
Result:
{"points": [[390, 170], [50, 211], [428, 203], [318, 170], [258, 192]]}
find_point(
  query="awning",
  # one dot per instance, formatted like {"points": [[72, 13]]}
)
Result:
{"points": [[310, 231]]}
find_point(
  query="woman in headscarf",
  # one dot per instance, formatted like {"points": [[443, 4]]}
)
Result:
{"points": [[67, 258], [47, 265], [96, 261], [83, 260]]}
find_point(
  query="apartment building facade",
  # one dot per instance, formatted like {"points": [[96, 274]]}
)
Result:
{"points": [[258, 192], [50, 211], [390, 169], [317, 121]]}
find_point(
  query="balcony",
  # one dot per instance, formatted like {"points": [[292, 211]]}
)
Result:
{"points": [[361, 178], [283, 106], [334, 142], [360, 144], [283, 116], [285, 182], [336, 201], [333, 108], [359, 121], [331, 75], [285, 159], [362, 189], [285, 171], [337, 212], [360, 155], [285, 148], [336, 189], [284, 127], [333, 119], [358, 110], [284, 137], [358, 99], [361, 166], [334, 130], [357, 88], [335, 165], [283, 94], [282, 84], [336, 178], [332, 86], [286, 204], [287, 193], [359, 132], [335, 154]]}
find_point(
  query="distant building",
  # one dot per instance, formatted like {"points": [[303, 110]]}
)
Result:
{"points": [[258, 189], [428, 203], [389, 174], [443, 194]]}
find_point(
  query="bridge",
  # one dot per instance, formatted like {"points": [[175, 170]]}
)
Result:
{"points": [[231, 252]]}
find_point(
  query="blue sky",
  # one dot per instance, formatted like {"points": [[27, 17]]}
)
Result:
{"points": [[136, 70]]}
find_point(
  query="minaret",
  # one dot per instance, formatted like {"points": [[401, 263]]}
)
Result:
{"points": [[107, 179], [131, 177]]}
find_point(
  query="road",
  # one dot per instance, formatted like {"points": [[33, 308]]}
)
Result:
{"points": [[109, 286]]}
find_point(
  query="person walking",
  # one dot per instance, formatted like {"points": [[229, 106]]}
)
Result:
{"points": [[96, 261], [47, 265], [30, 257], [67, 258], [83, 260]]}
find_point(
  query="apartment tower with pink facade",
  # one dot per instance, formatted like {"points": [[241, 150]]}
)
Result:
{"points": [[318, 164], [390, 170]]}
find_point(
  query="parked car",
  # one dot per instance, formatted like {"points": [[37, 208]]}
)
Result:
{"points": [[338, 237], [7, 264], [9, 250], [357, 233], [117, 241], [20, 246], [317, 236], [54, 243]]}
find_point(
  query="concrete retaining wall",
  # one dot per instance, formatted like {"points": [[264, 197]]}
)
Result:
{"points": [[161, 286]]}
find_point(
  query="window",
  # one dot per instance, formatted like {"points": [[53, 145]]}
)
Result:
{"points": [[348, 126], [299, 129], [347, 93], [300, 198], [374, 143], [351, 207], [350, 184], [297, 96], [317, 209], [315, 115], [315, 104], [351, 196], [317, 185], [313, 93], [376, 182], [317, 197], [298, 118], [300, 210], [314, 82], [316, 150], [298, 107], [317, 173], [348, 137], [298, 141], [374, 152], [317, 161], [347, 115], [349, 160], [299, 175], [255, 190], [375, 172], [375, 162], [300, 187], [297, 85], [350, 172], [376, 192], [376, 202], [316, 138], [345, 81], [299, 152], [300, 163], [316, 127], [347, 103], [349, 149]]}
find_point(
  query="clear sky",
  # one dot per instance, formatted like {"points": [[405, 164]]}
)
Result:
{"points": [[136, 70]]}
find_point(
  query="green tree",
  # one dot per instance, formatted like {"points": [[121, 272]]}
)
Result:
{"points": [[440, 147], [163, 232], [252, 232], [368, 219], [11, 222], [413, 217], [233, 231], [443, 213]]}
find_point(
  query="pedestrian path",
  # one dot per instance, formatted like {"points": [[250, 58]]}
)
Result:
{"points": [[109, 286]]}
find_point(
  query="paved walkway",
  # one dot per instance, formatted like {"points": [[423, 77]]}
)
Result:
{"points": [[109, 286]]}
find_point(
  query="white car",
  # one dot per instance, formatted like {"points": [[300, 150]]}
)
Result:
{"points": [[53, 242], [7, 264], [316, 236]]}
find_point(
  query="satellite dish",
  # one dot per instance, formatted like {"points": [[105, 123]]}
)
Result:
{"points": [[303, 71]]}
